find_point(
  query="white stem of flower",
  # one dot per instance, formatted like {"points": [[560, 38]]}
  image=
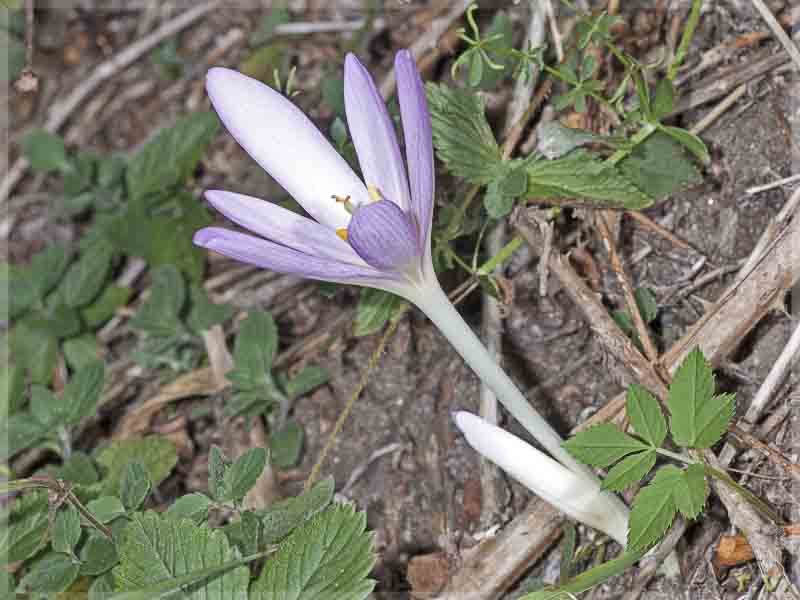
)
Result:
{"points": [[572, 493], [435, 304]]}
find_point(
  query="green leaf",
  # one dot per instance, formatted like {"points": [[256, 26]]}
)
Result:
{"points": [[98, 555], [653, 509], [158, 555], [305, 381], [47, 268], [645, 415], [244, 473], [659, 167], [245, 533], [66, 529], [698, 418], [602, 445], [462, 136], [330, 556], [254, 351], [171, 237], [12, 388], [157, 454], [106, 508], [171, 156], [375, 308], [689, 141], [567, 551], [203, 313], [277, 15], [646, 303], [24, 296], [83, 391], [134, 486], [691, 491], [160, 314], [664, 102], [285, 445], [218, 466], [191, 506], [102, 588], [475, 69], [78, 469], [82, 351], [284, 516], [497, 204], [23, 527], [35, 350], [582, 177], [50, 574], [105, 305], [631, 469], [46, 151], [86, 278], [556, 140], [20, 431], [46, 408]]}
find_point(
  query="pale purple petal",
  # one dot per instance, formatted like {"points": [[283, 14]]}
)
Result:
{"points": [[373, 134], [283, 226], [417, 135], [269, 255], [286, 144], [382, 234]]}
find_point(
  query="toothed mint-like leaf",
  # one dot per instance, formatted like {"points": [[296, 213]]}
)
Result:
{"points": [[329, 556], [157, 454], [156, 549], [602, 445], [282, 517], [697, 417], [256, 344], [66, 529], [584, 178], [660, 167], [244, 472], [691, 491], [629, 470], [653, 509], [645, 415], [461, 134], [23, 526]]}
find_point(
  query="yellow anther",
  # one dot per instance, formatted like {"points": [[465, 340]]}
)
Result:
{"points": [[374, 194], [342, 233]]}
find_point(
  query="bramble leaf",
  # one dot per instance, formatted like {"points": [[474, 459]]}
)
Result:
{"points": [[282, 517], [629, 470], [653, 509], [645, 415], [329, 556], [157, 454], [244, 473], [691, 491], [602, 445]]}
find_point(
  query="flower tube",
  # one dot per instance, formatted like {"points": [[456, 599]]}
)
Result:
{"points": [[375, 232], [573, 494]]}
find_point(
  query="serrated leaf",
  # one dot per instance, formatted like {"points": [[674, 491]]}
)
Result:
{"points": [[653, 509], [645, 415], [282, 517], [23, 526], [497, 204], [697, 417], [134, 486], [50, 574], [602, 445], [171, 156], [13, 304], [102, 588], [45, 407], [244, 473], [285, 445], [375, 308], [245, 533], [82, 392], [659, 167], [554, 140], [305, 381], [158, 555], [631, 469], [689, 141], [78, 469], [81, 352], [462, 136], [20, 431], [254, 350], [46, 269], [66, 529], [105, 305], [329, 556], [35, 350], [86, 277], [192, 506], [583, 177], [157, 454], [203, 313], [691, 491], [218, 466], [98, 555], [160, 314]]}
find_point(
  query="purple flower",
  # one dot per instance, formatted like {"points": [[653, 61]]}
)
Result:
{"points": [[374, 232]]}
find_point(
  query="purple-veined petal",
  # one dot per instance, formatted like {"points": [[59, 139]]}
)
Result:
{"points": [[269, 255], [382, 234], [373, 134], [419, 143], [283, 226], [286, 144]]}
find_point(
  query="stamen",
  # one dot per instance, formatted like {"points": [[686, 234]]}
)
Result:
{"points": [[374, 194], [348, 206], [342, 233]]}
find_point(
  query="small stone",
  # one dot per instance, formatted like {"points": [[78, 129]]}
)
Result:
{"points": [[428, 574]]}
